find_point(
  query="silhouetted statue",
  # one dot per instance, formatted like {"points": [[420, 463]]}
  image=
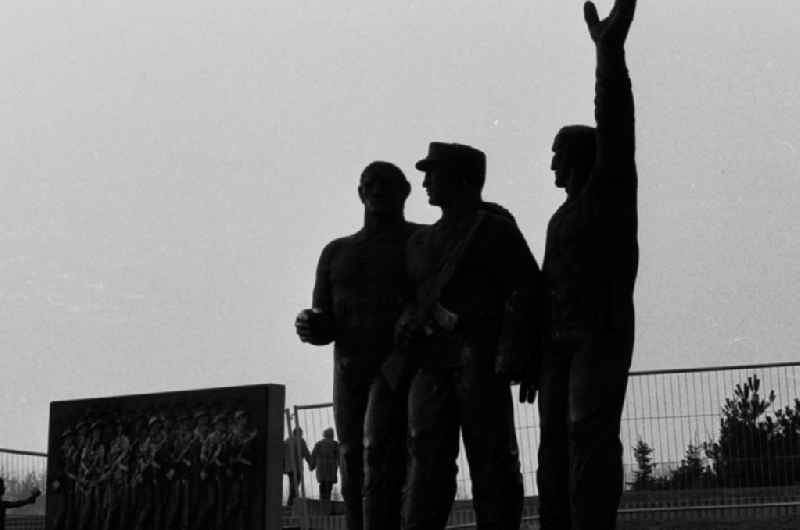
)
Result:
{"points": [[464, 269], [590, 265], [360, 289]]}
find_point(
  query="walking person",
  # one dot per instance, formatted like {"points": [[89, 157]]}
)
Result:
{"points": [[325, 461], [295, 451]]}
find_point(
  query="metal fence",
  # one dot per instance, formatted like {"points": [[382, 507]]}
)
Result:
{"points": [[677, 414], [21, 472], [694, 464]]}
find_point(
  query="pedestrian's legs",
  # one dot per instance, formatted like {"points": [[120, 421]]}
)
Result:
{"points": [[325, 490], [385, 429], [292, 488], [598, 380], [433, 449], [552, 477]]}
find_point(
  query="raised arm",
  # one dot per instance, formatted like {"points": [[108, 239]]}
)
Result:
{"points": [[613, 94]]}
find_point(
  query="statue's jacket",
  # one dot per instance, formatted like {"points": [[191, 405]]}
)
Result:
{"points": [[591, 253], [496, 263], [361, 281]]}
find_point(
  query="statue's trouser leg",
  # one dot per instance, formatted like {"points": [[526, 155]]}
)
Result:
{"points": [[598, 380], [485, 409], [581, 400], [433, 423], [552, 477], [349, 406], [385, 428]]}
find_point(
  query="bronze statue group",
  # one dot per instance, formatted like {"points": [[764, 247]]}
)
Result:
{"points": [[431, 324], [141, 470]]}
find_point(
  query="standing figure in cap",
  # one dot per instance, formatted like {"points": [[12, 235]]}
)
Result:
{"points": [[62, 483], [590, 265], [92, 463], [360, 288], [179, 444], [464, 269], [117, 494]]}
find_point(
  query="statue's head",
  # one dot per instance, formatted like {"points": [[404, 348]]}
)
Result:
{"points": [[573, 157], [453, 172], [383, 188]]}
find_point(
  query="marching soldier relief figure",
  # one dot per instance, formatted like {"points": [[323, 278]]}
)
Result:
{"points": [[92, 459], [177, 475], [454, 335], [590, 266], [359, 291], [116, 495], [62, 485], [241, 463]]}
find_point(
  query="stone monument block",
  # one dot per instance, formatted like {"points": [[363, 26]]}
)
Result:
{"points": [[206, 459]]}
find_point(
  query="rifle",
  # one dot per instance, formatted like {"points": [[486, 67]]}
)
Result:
{"points": [[428, 310]]}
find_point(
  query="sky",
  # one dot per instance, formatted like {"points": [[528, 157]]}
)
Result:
{"points": [[170, 172]]}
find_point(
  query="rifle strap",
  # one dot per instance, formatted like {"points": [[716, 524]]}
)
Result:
{"points": [[449, 264]]}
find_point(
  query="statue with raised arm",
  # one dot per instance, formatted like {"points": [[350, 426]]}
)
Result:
{"points": [[590, 265], [360, 288]]}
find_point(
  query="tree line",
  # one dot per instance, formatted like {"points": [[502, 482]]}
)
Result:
{"points": [[755, 448]]}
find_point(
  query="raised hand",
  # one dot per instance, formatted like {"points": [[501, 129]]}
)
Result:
{"points": [[613, 30]]}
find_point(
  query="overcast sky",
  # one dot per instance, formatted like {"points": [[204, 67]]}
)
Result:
{"points": [[171, 170]]}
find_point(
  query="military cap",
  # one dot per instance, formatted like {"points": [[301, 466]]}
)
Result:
{"points": [[465, 159]]}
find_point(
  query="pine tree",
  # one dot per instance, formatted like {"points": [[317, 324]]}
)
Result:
{"points": [[643, 476]]}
